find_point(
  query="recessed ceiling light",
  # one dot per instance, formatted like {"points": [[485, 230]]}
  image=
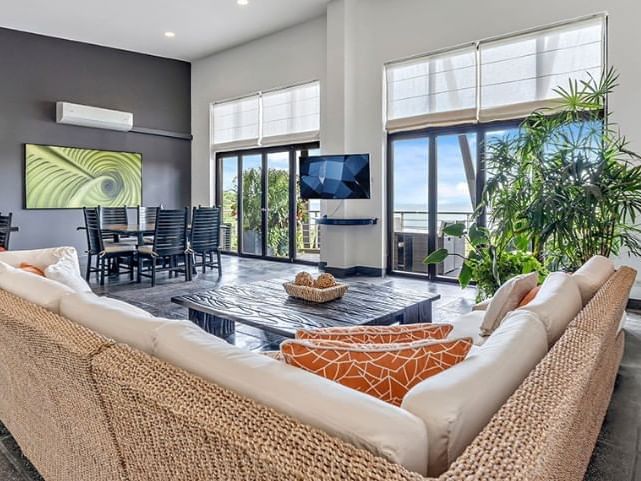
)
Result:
{"points": [[170, 34], [242, 2]]}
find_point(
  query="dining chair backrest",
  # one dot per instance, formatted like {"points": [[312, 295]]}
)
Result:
{"points": [[113, 215], [205, 229], [147, 215], [170, 237], [5, 222], [95, 244]]}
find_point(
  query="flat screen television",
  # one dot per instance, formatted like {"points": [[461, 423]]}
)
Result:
{"points": [[335, 177]]}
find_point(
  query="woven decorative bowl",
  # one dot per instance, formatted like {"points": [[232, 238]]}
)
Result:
{"points": [[313, 294]]}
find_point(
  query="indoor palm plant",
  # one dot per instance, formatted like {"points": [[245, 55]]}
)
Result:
{"points": [[567, 182], [563, 188]]}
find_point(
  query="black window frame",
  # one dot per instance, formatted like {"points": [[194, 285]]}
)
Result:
{"points": [[264, 152], [431, 133]]}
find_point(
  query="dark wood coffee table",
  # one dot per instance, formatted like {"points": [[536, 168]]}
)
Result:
{"points": [[266, 306]]}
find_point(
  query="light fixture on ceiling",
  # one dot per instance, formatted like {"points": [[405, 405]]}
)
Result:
{"points": [[170, 34], [242, 2]]}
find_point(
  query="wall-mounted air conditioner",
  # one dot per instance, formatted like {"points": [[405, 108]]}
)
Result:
{"points": [[86, 116]]}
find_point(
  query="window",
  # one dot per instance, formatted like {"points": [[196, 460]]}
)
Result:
{"points": [[492, 80], [291, 115], [277, 117], [236, 123], [519, 74], [438, 89]]}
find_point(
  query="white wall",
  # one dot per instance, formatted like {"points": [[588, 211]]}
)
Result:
{"points": [[284, 58], [361, 35]]}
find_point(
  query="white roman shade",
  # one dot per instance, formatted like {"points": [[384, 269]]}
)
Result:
{"points": [[496, 79], [439, 89], [291, 115], [236, 123], [519, 74]]}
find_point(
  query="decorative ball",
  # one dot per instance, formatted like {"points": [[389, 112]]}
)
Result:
{"points": [[304, 279], [325, 281]]}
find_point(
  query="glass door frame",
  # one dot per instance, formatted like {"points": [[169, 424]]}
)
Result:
{"points": [[432, 134], [263, 152]]}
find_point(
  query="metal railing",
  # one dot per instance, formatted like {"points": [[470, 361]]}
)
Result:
{"points": [[417, 220]]}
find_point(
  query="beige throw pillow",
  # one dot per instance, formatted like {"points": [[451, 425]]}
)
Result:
{"points": [[506, 299]]}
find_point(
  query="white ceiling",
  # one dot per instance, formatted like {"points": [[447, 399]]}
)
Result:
{"points": [[202, 27]]}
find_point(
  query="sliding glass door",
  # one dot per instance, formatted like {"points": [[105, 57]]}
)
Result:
{"points": [[263, 215], [435, 179]]}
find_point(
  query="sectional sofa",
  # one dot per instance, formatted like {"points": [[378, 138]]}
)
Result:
{"points": [[95, 389]]}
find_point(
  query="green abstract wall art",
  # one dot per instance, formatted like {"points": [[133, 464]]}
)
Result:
{"points": [[72, 177]]}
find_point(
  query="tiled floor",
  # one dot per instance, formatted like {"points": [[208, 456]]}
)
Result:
{"points": [[617, 456]]}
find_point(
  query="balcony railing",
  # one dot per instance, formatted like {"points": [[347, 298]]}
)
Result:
{"points": [[417, 220]]}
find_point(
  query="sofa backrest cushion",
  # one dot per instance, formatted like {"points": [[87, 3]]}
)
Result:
{"points": [[362, 420], [113, 319], [592, 275], [33, 288], [468, 325], [65, 271], [41, 258], [556, 304], [456, 404]]}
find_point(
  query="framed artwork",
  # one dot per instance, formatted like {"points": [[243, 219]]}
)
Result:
{"points": [[72, 177]]}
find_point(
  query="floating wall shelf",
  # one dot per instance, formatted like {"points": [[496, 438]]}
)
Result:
{"points": [[333, 221]]}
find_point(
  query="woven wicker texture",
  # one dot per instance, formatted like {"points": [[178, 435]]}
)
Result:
{"points": [[314, 294], [165, 424], [548, 428], [48, 399], [171, 425]]}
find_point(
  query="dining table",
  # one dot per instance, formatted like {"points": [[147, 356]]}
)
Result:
{"points": [[137, 230]]}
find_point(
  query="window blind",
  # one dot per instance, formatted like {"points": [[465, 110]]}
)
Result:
{"points": [[235, 123], [497, 79], [519, 74], [434, 90], [291, 114]]}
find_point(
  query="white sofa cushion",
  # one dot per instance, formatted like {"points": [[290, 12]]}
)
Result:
{"points": [[468, 325], [362, 420], [592, 275], [457, 404], [41, 258], [65, 271], [33, 288], [114, 319], [556, 304], [506, 299]]}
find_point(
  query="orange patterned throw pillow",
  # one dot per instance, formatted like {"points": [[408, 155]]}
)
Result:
{"points": [[31, 268], [378, 334], [386, 371]]}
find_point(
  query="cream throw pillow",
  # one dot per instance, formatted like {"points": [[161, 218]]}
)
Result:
{"points": [[506, 299]]}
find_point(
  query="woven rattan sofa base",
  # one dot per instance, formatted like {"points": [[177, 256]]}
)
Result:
{"points": [[48, 398], [84, 409]]}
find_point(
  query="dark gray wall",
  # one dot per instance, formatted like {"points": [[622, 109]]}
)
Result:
{"points": [[36, 71]]}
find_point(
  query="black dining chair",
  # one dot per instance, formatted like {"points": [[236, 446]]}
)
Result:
{"points": [[204, 240], [103, 251], [169, 247], [113, 215], [5, 233], [148, 215]]}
